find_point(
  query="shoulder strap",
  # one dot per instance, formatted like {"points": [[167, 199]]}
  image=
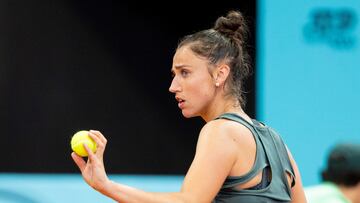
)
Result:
{"points": [[237, 118], [271, 148], [260, 159], [285, 160]]}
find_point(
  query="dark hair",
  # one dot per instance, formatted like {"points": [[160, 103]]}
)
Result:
{"points": [[343, 166], [341, 178], [225, 42]]}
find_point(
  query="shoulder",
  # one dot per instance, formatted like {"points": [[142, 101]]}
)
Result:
{"points": [[223, 127], [224, 132]]}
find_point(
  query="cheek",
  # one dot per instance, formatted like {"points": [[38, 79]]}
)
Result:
{"points": [[198, 95], [198, 101], [202, 91]]}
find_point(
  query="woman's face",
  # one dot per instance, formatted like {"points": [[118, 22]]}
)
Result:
{"points": [[192, 84]]}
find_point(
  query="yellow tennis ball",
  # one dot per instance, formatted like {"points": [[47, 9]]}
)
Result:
{"points": [[78, 140]]}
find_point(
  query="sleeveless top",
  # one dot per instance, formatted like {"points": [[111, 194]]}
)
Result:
{"points": [[271, 158]]}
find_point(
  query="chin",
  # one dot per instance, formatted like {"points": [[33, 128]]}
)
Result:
{"points": [[188, 114]]}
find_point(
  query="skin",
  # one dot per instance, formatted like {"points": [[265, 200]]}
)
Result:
{"points": [[208, 101], [352, 193]]}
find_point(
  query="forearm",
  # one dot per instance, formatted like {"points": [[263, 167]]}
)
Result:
{"points": [[126, 194]]}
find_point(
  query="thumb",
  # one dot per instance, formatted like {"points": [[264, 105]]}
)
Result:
{"points": [[79, 161]]}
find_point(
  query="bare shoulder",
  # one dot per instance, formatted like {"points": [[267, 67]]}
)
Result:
{"points": [[215, 156], [226, 131]]}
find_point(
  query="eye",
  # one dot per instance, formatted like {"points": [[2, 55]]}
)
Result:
{"points": [[184, 73]]}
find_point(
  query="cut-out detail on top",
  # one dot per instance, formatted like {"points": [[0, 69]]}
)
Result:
{"points": [[270, 152]]}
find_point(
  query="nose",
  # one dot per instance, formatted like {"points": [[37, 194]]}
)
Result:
{"points": [[174, 86]]}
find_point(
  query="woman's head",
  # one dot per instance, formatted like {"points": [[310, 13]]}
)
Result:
{"points": [[210, 66], [224, 44]]}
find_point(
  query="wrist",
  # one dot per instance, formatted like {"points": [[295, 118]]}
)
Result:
{"points": [[106, 187]]}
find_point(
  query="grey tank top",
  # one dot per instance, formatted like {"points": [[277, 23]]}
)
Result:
{"points": [[271, 154]]}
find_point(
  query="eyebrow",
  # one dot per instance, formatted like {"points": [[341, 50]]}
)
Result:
{"points": [[177, 67]]}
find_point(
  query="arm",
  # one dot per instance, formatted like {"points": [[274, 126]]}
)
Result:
{"points": [[297, 192], [202, 182]]}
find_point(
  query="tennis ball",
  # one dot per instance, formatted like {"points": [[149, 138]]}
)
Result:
{"points": [[78, 140]]}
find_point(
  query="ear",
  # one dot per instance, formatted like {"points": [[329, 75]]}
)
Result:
{"points": [[221, 73]]}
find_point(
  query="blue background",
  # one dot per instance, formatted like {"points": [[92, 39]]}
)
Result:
{"points": [[308, 76], [60, 188]]}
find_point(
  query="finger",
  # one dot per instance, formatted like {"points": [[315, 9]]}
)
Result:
{"points": [[100, 146], [99, 135], [91, 154], [79, 161], [95, 138]]}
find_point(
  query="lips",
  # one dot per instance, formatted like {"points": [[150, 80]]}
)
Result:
{"points": [[181, 102]]}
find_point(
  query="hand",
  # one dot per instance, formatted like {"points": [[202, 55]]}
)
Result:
{"points": [[93, 170]]}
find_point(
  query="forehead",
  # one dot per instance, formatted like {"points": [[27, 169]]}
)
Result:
{"points": [[183, 53], [185, 56]]}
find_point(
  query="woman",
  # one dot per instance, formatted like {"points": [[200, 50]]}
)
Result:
{"points": [[237, 158]]}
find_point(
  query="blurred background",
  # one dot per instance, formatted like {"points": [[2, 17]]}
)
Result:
{"points": [[77, 65]]}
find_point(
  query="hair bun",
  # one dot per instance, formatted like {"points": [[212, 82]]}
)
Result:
{"points": [[232, 26]]}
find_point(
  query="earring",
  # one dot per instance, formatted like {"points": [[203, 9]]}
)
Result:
{"points": [[217, 84]]}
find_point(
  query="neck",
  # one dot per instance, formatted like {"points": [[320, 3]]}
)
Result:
{"points": [[351, 193], [222, 106]]}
